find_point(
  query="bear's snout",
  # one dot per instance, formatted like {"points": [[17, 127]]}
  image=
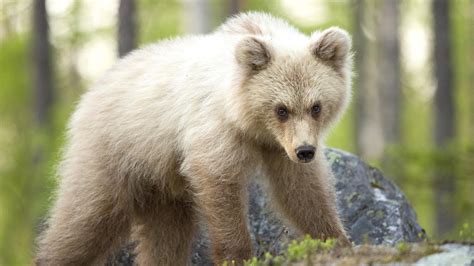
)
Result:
{"points": [[305, 153]]}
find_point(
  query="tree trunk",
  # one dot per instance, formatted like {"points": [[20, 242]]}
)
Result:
{"points": [[197, 16], [389, 70], [42, 66], [5, 19], [235, 6], [126, 27], [444, 130], [368, 129], [470, 20]]}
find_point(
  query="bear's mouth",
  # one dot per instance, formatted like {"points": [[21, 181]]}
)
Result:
{"points": [[305, 160]]}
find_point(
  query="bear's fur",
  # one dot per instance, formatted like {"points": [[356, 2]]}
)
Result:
{"points": [[172, 133]]}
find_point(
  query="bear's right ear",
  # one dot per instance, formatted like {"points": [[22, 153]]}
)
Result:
{"points": [[253, 54]]}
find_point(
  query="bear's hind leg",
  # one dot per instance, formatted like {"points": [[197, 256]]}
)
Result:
{"points": [[165, 234], [87, 222]]}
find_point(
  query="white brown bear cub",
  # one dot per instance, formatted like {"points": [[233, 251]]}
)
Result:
{"points": [[173, 132]]}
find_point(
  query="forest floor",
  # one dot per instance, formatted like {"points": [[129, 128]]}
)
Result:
{"points": [[315, 252]]}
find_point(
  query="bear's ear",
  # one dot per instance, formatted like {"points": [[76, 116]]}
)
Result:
{"points": [[253, 54], [333, 46]]}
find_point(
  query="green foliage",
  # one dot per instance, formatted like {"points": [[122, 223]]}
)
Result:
{"points": [[15, 219], [417, 179], [268, 259], [297, 251], [462, 19], [403, 248], [466, 232], [317, 252], [14, 77], [341, 135], [158, 20], [307, 247], [27, 154]]}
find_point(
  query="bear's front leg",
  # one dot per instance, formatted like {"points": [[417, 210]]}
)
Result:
{"points": [[305, 195], [221, 200]]}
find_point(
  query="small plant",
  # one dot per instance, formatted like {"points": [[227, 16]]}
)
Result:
{"points": [[252, 262], [307, 247], [466, 232], [403, 249], [297, 251], [268, 259], [310, 251]]}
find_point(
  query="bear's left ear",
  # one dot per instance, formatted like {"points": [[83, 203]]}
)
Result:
{"points": [[253, 54], [332, 46]]}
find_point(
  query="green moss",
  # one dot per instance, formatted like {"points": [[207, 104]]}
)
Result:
{"points": [[304, 249], [379, 214], [268, 259], [403, 249], [310, 251]]}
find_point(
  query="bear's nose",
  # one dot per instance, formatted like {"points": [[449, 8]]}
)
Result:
{"points": [[305, 153]]}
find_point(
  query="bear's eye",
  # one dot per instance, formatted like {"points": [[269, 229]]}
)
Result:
{"points": [[315, 110], [282, 113]]}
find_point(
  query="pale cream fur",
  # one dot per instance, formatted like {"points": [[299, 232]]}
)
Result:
{"points": [[174, 131]]}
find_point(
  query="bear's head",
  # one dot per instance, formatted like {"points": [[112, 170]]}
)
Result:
{"points": [[293, 90]]}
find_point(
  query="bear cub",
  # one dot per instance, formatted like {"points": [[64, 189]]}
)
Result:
{"points": [[171, 135]]}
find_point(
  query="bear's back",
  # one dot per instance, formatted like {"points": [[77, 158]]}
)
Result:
{"points": [[253, 23]]}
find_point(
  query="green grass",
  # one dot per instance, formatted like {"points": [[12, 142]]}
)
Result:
{"points": [[310, 251]]}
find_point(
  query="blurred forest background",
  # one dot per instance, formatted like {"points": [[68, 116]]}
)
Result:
{"points": [[412, 114]]}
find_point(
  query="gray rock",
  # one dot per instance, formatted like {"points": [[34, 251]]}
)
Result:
{"points": [[452, 254], [373, 209]]}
